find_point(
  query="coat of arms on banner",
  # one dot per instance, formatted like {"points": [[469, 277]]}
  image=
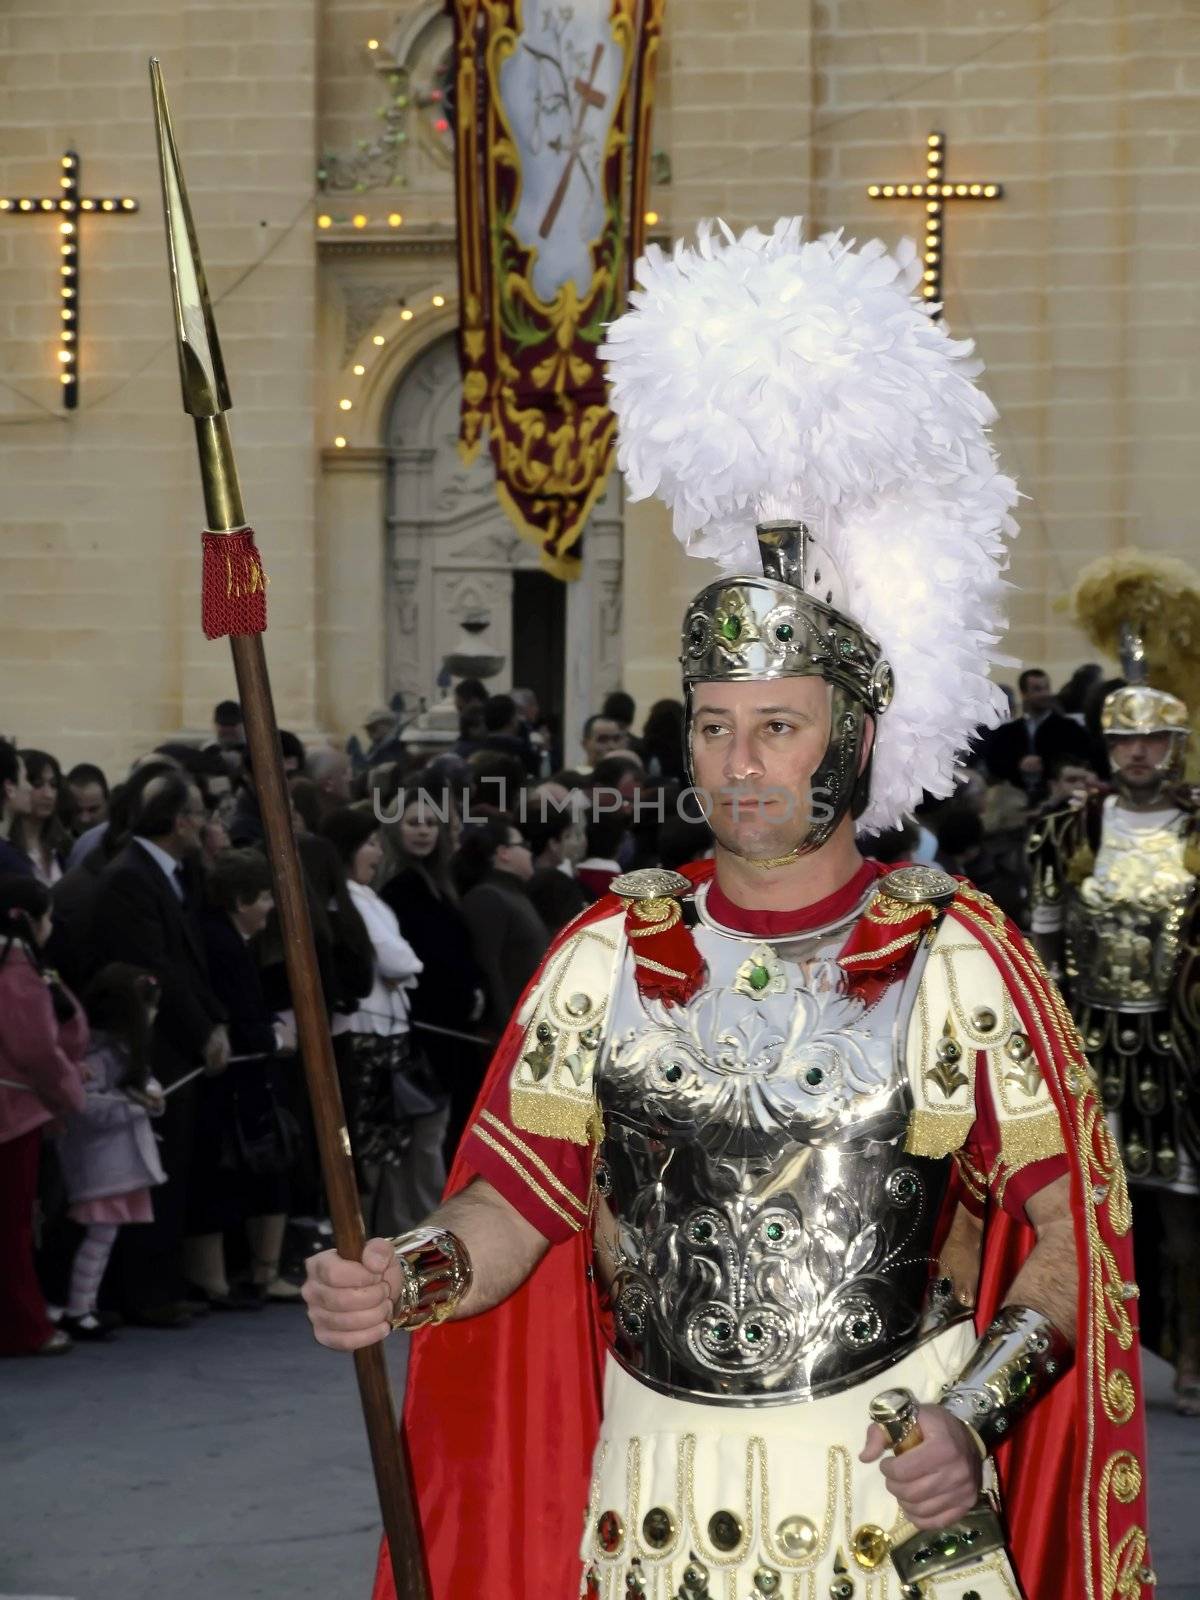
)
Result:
{"points": [[552, 111]]}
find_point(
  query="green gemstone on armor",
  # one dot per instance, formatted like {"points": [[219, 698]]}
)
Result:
{"points": [[760, 976], [814, 1076], [754, 1333], [860, 1328], [947, 1544], [673, 1073], [906, 1186], [847, 647], [731, 629], [774, 1231], [702, 1232], [784, 632], [1021, 1383], [722, 1331]]}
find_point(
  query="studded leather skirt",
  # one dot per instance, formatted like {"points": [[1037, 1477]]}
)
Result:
{"points": [[698, 1502]]}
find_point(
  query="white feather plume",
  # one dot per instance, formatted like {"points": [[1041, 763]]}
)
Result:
{"points": [[763, 376]]}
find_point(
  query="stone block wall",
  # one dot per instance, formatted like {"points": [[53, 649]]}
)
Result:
{"points": [[100, 639]]}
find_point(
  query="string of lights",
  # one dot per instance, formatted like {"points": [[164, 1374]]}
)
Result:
{"points": [[68, 204]]}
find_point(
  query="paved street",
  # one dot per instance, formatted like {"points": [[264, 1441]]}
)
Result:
{"points": [[229, 1461]]}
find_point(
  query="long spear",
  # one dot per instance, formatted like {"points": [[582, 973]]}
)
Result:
{"points": [[235, 604]]}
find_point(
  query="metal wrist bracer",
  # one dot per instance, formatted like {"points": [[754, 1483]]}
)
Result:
{"points": [[1020, 1358], [435, 1274]]}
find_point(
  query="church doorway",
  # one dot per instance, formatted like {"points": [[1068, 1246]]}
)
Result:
{"points": [[452, 557]]}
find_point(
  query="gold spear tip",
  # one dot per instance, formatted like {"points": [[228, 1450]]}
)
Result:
{"points": [[201, 369]]}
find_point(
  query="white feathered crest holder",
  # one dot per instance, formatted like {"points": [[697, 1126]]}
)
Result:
{"points": [[763, 377]]}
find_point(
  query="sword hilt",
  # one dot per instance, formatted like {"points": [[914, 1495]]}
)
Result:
{"points": [[895, 1410]]}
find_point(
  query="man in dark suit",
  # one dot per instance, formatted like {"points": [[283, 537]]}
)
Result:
{"points": [[145, 913], [1023, 751]]}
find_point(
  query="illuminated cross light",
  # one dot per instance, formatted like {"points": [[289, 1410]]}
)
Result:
{"points": [[936, 191], [67, 204]]}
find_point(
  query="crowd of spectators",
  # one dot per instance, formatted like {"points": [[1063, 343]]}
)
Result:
{"points": [[153, 1114]]}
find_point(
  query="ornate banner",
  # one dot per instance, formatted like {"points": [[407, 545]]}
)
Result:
{"points": [[552, 110]]}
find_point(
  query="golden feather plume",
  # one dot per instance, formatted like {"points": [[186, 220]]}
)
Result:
{"points": [[1159, 596]]}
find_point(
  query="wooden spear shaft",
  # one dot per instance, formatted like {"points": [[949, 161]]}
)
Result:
{"points": [[206, 398]]}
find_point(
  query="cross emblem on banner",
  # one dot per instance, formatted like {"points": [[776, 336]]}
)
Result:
{"points": [[590, 99], [67, 205], [937, 192]]}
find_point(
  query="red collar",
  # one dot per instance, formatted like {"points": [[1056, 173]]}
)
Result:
{"points": [[775, 924]]}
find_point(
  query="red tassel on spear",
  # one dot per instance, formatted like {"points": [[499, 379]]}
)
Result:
{"points": [[235, 604]]}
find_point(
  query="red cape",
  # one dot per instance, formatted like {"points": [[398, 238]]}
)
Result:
{"points": [[503, 1410]]}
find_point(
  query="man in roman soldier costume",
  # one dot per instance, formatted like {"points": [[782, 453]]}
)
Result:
{"points": [[1116, 913], [786, 1252]]}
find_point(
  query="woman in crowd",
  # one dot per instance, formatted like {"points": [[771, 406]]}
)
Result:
{"points": [[245, 1140], [492, 869], [107, 1151], [41, 833], [396, 1114], [450, 994], [43, 1037]]}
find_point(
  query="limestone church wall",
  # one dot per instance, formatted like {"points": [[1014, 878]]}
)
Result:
{"points": [[100, 509], [1078, 287]]}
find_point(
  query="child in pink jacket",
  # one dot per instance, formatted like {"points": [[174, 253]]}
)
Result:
{"points": [[43, 1037]]}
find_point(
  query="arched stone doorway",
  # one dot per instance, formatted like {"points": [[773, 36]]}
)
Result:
{"points": [[451, 552]]}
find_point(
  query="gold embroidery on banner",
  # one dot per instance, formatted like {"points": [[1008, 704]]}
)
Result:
{"points": [[532, 1157], [551, 1205]]}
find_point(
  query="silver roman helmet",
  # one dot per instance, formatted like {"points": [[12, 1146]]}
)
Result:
{"points": [[1144, 608], [790, 621]]}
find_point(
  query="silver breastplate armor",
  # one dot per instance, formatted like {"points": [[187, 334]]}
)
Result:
{"points": [[1123, 923], [764, 1237]]}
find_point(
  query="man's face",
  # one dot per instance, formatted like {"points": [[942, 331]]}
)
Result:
{"points": [[1138, 757], [229, 734], [755, 747], [1036, 694], [603, 736], [90, 806], [1072, 779], [189, 824]]}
